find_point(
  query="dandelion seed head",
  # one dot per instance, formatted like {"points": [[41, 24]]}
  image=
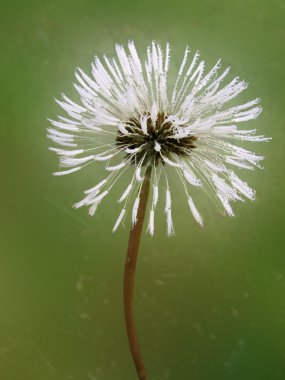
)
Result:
{"points": [[129, 118]]}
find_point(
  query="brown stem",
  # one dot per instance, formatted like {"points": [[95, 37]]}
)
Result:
{"points": [[129, 277]]}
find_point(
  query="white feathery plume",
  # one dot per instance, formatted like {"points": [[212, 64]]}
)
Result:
{"points": [[71, 161], [155, 196], [115, 167], [191, 178], [69, 171], [125, 193], [100, 197], [66, 153], [169, 222], [97, 187], [135, 210], [150, 227], [119, 220], [98, 157], [197, 216], [167, 200]]}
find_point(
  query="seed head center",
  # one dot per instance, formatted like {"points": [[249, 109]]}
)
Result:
{"points": [[149, 142]]}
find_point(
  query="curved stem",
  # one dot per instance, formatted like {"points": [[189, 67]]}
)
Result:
{"points": [[129, 277]]}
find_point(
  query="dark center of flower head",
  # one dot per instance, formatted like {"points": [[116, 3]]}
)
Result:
{"points": [[159, 141]]}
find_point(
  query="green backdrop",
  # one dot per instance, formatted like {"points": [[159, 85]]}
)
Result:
{"points": [[210, 302]]}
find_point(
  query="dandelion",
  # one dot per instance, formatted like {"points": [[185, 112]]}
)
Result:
{"points": [[130, 120]]}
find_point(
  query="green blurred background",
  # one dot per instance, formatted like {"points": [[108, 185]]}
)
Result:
{"points": [[210, 302]]}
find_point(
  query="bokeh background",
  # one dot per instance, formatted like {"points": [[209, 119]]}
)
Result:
{"points": [[210, 302]]}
